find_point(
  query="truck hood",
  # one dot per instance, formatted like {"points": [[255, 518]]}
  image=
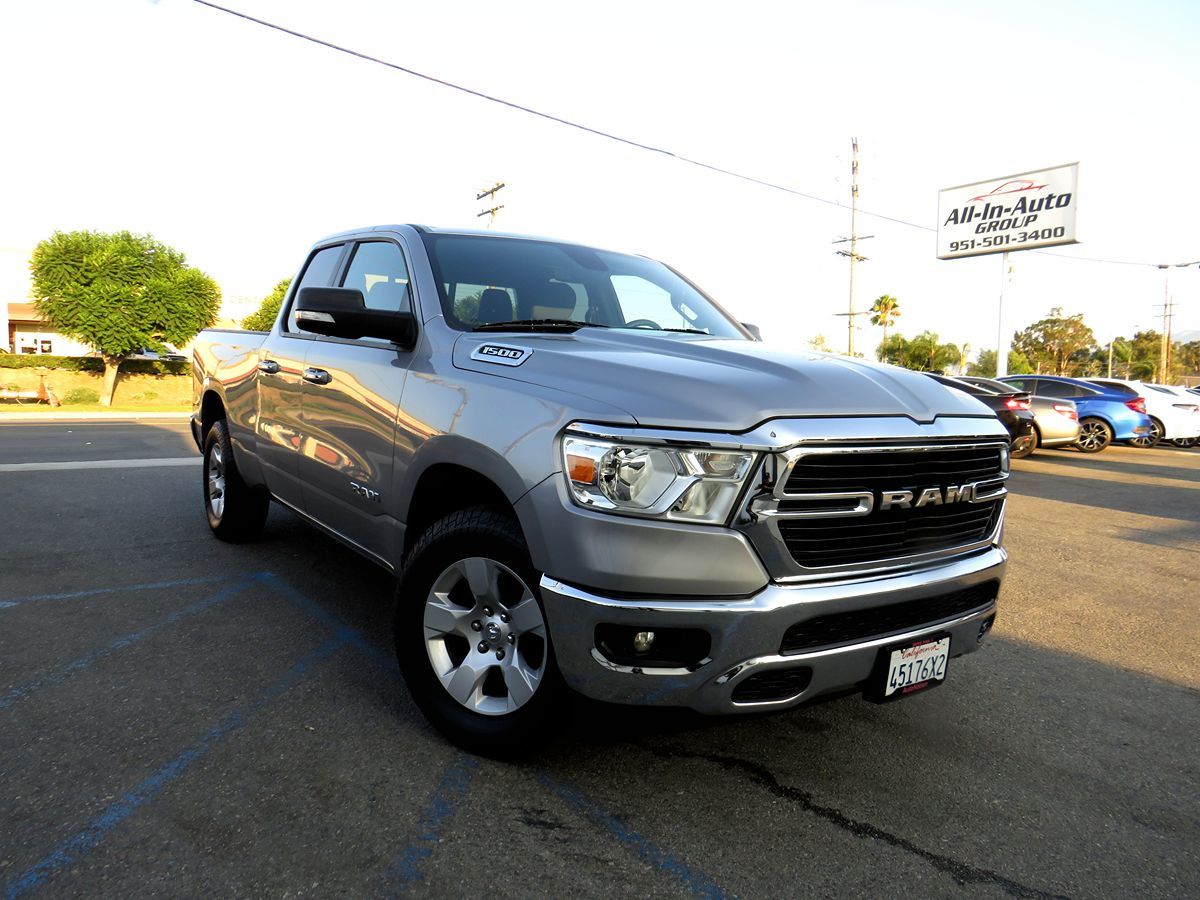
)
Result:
{"points": [[710, 384]]}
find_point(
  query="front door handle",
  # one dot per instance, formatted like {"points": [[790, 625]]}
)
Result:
{"points": [[269, 366], [317, 376]]}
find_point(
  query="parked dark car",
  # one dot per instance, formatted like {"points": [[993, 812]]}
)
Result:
{"points": [[1105, 415], [1011, 408], [1055, 420]]}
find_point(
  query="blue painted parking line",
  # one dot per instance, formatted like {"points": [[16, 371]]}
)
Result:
{"points": [[99, 828], [19, 692], [92, 592], [405, 871], [381, 658], [694, 881]]}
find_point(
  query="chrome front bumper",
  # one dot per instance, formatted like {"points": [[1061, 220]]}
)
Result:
{"points": [[746, 635]]}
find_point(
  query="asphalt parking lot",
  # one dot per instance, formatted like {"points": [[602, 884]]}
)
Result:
{"points": [[185, 717]]}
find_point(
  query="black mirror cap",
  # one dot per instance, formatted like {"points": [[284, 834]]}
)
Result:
{"points": [[754, 330], [342, 312]]}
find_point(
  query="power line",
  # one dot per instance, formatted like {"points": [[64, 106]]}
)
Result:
{"points": [[366, 57]]}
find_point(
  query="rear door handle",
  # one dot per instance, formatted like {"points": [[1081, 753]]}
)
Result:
{"points": [[269, 366], [317, 376]]}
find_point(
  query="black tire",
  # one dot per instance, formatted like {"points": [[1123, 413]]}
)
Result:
{"points": [[1185, 442], [1152, 439], [236, 512], [1028, 451], [490, 536], [1095, 435]]}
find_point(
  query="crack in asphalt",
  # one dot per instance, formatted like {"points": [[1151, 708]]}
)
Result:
{"points": [[962, 873]]}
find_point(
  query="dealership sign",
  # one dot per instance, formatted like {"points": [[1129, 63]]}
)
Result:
{"points": [[1018, 212]]}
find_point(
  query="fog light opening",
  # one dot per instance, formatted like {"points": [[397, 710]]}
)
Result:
{"points": [[639, 646], [984, 627]]}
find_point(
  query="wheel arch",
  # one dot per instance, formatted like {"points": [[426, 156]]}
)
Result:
{"points": [[212, 408], [453, 473]]}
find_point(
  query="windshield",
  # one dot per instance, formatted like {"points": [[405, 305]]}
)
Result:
{"points": [[488, 281]]}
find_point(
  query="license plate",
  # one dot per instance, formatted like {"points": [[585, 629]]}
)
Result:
{"points": [[914, 667]]}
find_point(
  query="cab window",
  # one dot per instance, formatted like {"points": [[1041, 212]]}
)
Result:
{"points": [[379, 271], [319, 272]]}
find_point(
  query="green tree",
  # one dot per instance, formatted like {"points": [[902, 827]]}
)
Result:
{"points": [[925, 352], [1187, 359], [119, 293], [820, 344], [1059, 344], [885, 311], [263, 319], [985, 364]]}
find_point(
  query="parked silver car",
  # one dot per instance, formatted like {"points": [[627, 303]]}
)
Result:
{"points": [[1055, 419]]}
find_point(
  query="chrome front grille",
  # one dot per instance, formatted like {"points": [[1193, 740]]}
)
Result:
{"points": [[829, 511]]}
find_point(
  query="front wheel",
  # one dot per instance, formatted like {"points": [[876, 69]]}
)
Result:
{"points": [[1094, 435], [471, 636], [1185, 442]]}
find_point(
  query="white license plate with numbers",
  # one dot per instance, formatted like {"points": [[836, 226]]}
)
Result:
{"points": [[916, 667]]}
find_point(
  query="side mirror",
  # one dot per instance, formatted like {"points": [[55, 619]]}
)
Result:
{"points": [[342, 312], [754, 330]]}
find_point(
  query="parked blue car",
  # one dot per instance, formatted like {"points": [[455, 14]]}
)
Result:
{"points": [[1104, 415]]}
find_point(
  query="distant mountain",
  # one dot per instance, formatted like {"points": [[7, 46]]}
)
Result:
{"points": [[1185, 337]]}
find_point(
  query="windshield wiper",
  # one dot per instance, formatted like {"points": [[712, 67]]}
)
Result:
{"points": [[537, 325]]}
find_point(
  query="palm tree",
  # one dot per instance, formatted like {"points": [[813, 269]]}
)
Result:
{"points": [[884, 311]]}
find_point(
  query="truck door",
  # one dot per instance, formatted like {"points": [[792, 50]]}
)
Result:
{"points": [[351, 399], [278, 426]]}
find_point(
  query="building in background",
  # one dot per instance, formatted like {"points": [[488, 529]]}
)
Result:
{"points": [[28, 332]]}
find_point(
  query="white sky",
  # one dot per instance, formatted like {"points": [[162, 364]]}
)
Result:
{"points": [[241, 146]]}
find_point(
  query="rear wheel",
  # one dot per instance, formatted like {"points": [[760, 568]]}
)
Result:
{"points": [[471, 636], [1029, 448], [235, 511], [1094, 435], [1146, 441]]}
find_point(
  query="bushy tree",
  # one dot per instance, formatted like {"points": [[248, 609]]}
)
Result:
{"points": [[985, 365], [1187, 359], [820, 344], [119, 293], [1057, 344], [925, 352], [263, 319]]}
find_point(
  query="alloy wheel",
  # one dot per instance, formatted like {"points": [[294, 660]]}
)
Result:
{"points": [[216, 481], [485, 636], [1093, 436]]}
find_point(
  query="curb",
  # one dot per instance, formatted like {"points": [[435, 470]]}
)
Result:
{"points": [[61, 416]]}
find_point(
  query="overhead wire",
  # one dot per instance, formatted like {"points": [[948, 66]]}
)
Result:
{"points": [[606, 135]]}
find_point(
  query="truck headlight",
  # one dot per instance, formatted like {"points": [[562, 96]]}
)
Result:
{"points": [[659, 481]]}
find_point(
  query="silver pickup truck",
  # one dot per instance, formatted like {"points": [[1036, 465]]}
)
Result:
{"points": [[587, 476]]}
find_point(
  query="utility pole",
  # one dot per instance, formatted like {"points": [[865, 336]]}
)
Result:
{"points": [[853, 240], [1164, 347], [491, 194]]}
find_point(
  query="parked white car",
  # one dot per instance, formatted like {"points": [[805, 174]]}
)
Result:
{"points": [[1185, 396], [1174, 418]]}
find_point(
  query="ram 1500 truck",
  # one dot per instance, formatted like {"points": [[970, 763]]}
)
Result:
{"points": [[588, 477]]}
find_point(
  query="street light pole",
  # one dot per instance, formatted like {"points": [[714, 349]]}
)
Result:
{"points": [[1002, 342]]}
